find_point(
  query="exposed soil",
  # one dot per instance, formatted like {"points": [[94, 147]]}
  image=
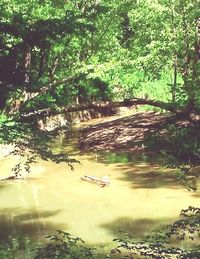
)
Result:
{"points": [[123, 134]]}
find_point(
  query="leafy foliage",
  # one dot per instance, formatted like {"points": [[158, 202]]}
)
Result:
{"points": [[179, 144], [125, 44], [187, 226], [64, 246], [18, 246], [156, 246], [29, 143]]}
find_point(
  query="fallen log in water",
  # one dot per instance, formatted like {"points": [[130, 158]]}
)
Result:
{"points": [[104, 181]]}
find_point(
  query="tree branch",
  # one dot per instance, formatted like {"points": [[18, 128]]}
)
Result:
{"points": [[10, 28], [99, 105]]}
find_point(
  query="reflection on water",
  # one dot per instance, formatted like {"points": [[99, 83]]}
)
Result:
{"points": [[125, 157], [141, 196]]}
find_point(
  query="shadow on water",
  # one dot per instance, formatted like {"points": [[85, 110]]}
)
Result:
{"points": [[3, 185], [147, 229], [196, 194], [146, 177], [138, 228], [31, 223], [140, 169], [119, 228], [125, 157]]}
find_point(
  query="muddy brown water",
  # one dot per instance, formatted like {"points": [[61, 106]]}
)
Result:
{"points": [[141, 196]]}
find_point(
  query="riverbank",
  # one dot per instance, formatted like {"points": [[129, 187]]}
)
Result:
{"points": [[121, 134]]}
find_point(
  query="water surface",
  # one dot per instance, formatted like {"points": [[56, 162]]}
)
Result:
{"points": [[141, 197]]}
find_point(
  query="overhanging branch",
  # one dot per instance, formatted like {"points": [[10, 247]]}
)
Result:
{"points": [[99, 105]]}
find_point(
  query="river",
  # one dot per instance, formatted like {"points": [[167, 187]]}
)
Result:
{"points": [[141, 196]]}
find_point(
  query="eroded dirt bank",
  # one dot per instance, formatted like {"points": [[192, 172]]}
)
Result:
{"points": [[123, 134]]}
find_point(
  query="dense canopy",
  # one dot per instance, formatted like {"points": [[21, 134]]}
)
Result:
{"points": [[61, 56]]}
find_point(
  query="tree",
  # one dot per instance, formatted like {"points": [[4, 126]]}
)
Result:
{"points": [[67, 56]]}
